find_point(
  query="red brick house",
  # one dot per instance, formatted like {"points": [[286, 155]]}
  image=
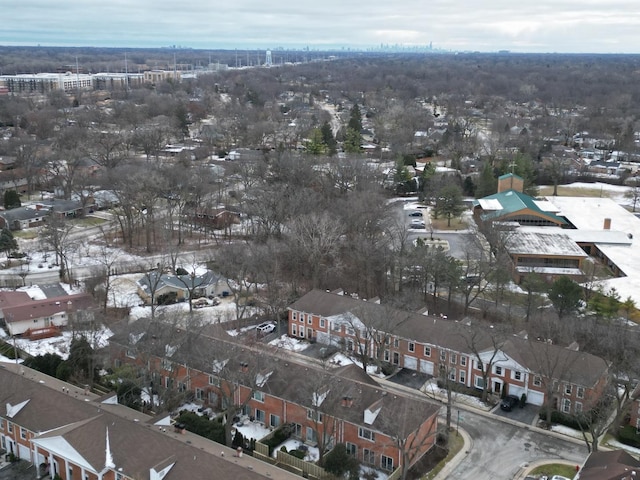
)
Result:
{"points": [[469, 355], [323, 406], [80, 437]]}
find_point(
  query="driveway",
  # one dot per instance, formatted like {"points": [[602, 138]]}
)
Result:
{"points": [[20, 470], [527, 415]]}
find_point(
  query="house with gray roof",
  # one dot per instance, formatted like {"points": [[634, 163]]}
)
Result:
{"points": [[22, 217], [470, 355], [79, 436], [155, 284]]}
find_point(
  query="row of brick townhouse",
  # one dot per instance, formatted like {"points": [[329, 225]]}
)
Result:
{"points": [[82, 437], [572, 380], [322, 406]]}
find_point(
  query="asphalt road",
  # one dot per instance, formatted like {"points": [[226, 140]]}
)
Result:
{"points": [[499, 450]]}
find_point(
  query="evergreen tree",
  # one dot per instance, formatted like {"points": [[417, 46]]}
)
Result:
{"points": [[355, 120], [328, 139], [11, 199], [8, 244], [315, 144], [565, 295], [487, 182], [449, 202], [352, 141]]}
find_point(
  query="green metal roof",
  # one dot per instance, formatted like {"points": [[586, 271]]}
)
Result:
{"points": [[512, 202]]}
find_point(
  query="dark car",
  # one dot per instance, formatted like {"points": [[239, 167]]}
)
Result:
{"points": [[509, 402], [415, 214]]}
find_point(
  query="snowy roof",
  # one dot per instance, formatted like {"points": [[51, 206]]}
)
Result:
{"points": [[547, 244], [588, 214]]}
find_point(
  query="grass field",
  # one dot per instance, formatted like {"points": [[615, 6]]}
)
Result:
{"points": [[576, 192]]}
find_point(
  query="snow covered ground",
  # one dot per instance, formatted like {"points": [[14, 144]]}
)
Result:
{"points": [[60, 345], [313, 454]]}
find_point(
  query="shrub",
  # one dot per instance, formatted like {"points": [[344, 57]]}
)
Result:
{"points": [[629, 436], [211, 429]]}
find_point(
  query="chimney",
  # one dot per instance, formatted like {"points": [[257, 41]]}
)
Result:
{"points": [[607, 224], [347, 401]]}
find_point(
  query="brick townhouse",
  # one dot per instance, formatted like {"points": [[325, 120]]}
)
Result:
{"points": [[81, 438], [435, 346], [323, 406]]}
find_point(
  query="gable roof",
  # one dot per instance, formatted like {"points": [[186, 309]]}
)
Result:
{"points": [[178, 282], [17, 308], [611, 465], [464, 337], [508, 203], [78, 429]]}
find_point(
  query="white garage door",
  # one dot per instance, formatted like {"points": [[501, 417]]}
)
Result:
{"points": [[24, 452], [426, 367], [535, 398], [410, 362], [515, 390]]}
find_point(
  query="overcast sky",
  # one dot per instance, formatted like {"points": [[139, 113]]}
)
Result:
{"points": [[598, 26]]}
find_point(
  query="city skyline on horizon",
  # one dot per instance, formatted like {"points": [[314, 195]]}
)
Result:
{"points": [[545, 26]]}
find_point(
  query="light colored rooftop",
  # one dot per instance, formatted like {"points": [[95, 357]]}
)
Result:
{"points": [[589, 214]]}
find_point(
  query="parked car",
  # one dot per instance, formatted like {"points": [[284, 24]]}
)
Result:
{"points": [[559, 477], [265, 328], [415, 214], [509, 402], [415, 223]]}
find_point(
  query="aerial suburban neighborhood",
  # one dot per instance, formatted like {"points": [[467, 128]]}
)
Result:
{"points": [[320, 265]]}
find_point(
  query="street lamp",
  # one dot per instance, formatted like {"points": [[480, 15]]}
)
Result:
{"points": [[458, 423]]}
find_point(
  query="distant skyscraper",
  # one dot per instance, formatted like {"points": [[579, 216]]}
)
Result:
{"points": [[268, 61]]}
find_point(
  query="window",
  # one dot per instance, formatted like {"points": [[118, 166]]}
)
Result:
{"points": [[386, 463], [463, 361], [166, 365], [366, 434], [23, 433], [9, 427], [580, 392], [453, 358], [1, 424], [462, 376], [352, 449], [302, 317], [69, 473], [412, 347], [309, 319], [313, 415], [537, 381], [274, 420], [301, 334], [566, 405], [517, 375], [294, 329], [260, 415], [568, 388], [578, 407], [311, 435], [479, 365], [427, 351], [498, 370], [396, 358], [452, 374], [396, 343], [259, 396], [199, 394], [213, 380], [294, 316], [443, 355], [131, 353], [368, 456], [386, 355], [479, 382], [322, 323]]}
